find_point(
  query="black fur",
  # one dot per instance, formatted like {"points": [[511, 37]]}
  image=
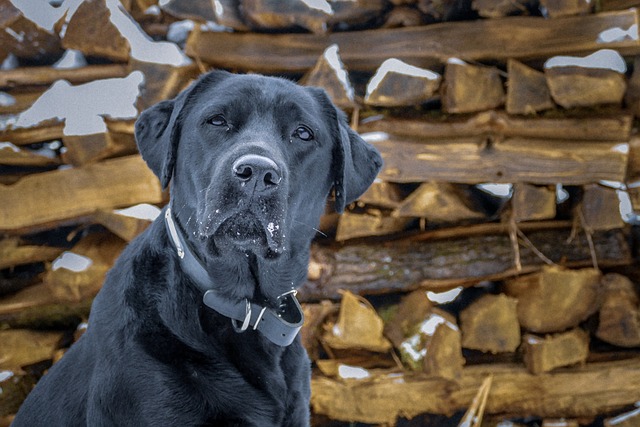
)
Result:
{"points": [[153, 354]]}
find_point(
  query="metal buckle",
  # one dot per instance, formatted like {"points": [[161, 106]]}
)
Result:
{"points": [[282, 305], [246, 321]]}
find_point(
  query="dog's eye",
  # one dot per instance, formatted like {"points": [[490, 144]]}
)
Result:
{"points": [[304, 133], [217, 120]]}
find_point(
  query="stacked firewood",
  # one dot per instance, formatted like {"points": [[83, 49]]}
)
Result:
{"points": [[491, 270]]}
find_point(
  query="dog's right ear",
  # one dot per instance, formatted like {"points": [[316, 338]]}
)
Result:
{"points": [[157, 130]]}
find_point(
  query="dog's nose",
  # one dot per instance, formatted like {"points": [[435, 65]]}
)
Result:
{"points": [[261, 170]]}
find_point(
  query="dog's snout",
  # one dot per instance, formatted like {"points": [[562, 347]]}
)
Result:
{"points": [[260, 170]]}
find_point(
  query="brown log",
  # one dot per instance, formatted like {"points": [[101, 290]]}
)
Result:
{"points": [[614, 126], [104, 38], [197, 10], [600, 208], [555, 299], [584, 87], [21, 347], [544, 354], [405, 319], [490, 324], [77, 192], [45, 76], [575, 393], [162, 81], [383, 194], [14, 251], [632, 95], [15, 388], [398, 84], [533, 202], [446, 259], [444, 350], [441, 202], [425, 46], [11, 155], [329, 73], [619, 315], [469, 88], [86, 149], [499, 8], [371, 223], [479, 160], [527, 90], [402, 16], [627, 419], [559, 8], [125, 227], [43, 131]]}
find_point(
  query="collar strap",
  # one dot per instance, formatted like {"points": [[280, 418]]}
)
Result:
{"points": [[279, 326]]}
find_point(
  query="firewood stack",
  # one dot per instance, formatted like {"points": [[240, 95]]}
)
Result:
{"points": [[498, 242]]}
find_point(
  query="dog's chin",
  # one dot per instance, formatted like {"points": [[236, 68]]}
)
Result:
{"points": [[245, 233]]}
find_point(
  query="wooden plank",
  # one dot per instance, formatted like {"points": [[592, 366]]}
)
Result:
{"points": [[45, 76], [66, 194], [575, 392], [44, 131], [480, 159], [613, 126], [425, 46], [445, 259]]}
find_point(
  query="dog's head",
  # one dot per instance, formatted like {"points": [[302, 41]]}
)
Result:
{"points": [[251, 160]]}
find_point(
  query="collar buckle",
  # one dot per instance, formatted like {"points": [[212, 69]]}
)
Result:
{"points": [[246, 321]]}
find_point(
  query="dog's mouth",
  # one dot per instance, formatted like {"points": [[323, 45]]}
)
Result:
{"points": [[245, 231]]}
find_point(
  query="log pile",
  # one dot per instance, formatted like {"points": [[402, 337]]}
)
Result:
{"points": [[491, 269]]}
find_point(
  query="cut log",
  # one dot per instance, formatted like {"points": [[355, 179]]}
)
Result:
{"points": [[627, 419], [197, 10], [632, 95], [13, 252], [559, 8], [468, 88], [63, 195], [228, 15], [480, 160], [619, 315], [279, 15], [555, 299], [383, 194], [527, 90], [404, 321], [315, 316], [44, 131], [358, 327], [614, 126], [441, 202], [15, 387], [544, 354], [21, 347], [87, 149], [397, 83], [533, 202], [402, 16], [45, 76], [575, 393], [499, 8], [583, 82], [371, 223], [162, 81], [490, 324], [329, 73], [91, 31], [600, 208], [446, 259], [11, 155], [123, 226], [633, 171], [425, 46]]}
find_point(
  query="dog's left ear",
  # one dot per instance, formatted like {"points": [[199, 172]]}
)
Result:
{"points": [[157, 130], [356, 163]]}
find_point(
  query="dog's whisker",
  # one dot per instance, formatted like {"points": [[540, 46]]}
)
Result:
{"points": [[311, 227]]}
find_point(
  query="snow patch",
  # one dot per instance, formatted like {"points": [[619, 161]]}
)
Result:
{"points": [[444, 297], [500, 190], [141, 211], [6, 100], [617, 34], [607, 59], [352, 372], [40, 12], [179, 31], [71, 59], [394, 65], [321, 5], [83, 106], [72, 261], [5, 375], [9, 146], [375, 136], [332, 57]]}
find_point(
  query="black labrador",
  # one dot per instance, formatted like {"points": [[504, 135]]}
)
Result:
{"points": [[197, 322]]}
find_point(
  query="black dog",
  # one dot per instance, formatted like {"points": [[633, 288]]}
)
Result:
{"points": [[196, 323]]}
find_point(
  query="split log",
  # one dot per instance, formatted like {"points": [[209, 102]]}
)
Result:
{"points": [[197, 10], [383, 194], [426, 46], [559, 8], [45, 76], [11, 155], [44, 131], [576, 393], [402, 16], [627, 419], [269, 15], [490, 324], [397, 83], [444, 260], [583, 82], [228, 15], [91, 31], [544, 354], [409, 313], [14, 251], [15, 387], [63, 195], [87, 149], [125, 227], [527, 90], [600, 208], [555, 299], [619, 315], [442, 202], [613, 126], [468, 88], [533, 202], [329, 73], [162, 81], [499, 8], [21, 347], [358, 327], [480, 160], [315, 316], [632, 95], [371, 223]]}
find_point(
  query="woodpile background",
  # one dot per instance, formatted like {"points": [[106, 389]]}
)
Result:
{"points": [[489, 277]]}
